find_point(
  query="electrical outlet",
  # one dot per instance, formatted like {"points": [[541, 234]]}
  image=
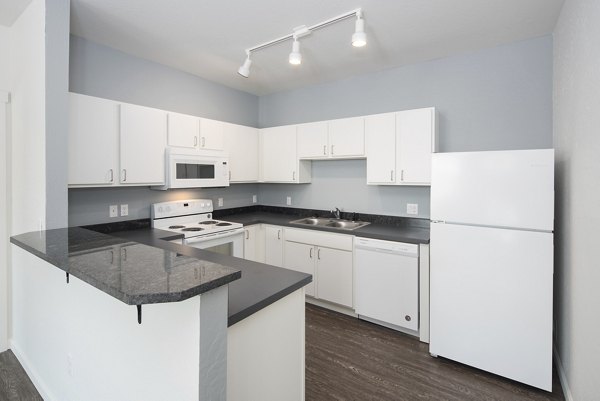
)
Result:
{"points": [[220, 202], [254, 199], [288, 201], [113, 211], [124, 210], [412, 208]]}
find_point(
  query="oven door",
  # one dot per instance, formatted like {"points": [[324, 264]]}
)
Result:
{"points": [[225, 242]]}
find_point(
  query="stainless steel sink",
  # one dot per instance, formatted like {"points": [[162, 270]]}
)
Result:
{"points": [[330, 223]]}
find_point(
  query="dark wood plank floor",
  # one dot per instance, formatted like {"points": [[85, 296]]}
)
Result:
{"points": [[349, 359], [14, 382]]}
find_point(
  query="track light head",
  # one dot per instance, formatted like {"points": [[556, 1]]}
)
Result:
{"points": [[244, 70], [295, 56], [359, 38]]}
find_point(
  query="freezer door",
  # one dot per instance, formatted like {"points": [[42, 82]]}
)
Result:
{"points": [[504, 188], [491, 300]]}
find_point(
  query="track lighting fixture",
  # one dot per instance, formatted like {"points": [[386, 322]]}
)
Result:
{"points": [[359, 39]]}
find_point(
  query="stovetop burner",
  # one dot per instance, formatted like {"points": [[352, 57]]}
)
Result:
{"points": [[175, 227], [193, 229], [208, 222], [223, 224]]}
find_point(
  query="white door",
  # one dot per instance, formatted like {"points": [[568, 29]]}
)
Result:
{"points": [[312, 140], [274, 246], [334, 276], [347, 137], [491, 300], [143, 140], [242, 145], [93, 141], [415, 130], [380, 138], [501, 188], [211, 134], [301, 257], [183, 130], [278, 154], [387, 287]]}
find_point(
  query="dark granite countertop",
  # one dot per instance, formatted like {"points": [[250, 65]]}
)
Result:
{"points": [[132, 272], [414, 231]]}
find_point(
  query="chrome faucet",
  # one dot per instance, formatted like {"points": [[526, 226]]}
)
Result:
{"points": [[336, 213]]}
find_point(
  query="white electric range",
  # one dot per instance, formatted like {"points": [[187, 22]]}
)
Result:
{"points": [[193, 219]]}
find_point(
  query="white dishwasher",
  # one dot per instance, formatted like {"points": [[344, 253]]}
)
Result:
{"points": [[387, 282]]}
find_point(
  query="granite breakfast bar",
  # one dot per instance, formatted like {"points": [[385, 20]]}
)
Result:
{"points": [[78, 285]]}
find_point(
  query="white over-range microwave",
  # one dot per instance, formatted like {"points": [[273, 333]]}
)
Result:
{"points": [[195, 169]]}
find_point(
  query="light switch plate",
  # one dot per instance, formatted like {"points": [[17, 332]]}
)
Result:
{"points": [[254, 199], [124, 210], [288, 201], [220, 202], [113, 210], [412, 208]]}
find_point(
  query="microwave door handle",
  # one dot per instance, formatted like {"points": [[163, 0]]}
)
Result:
{"points": [[208, 237]]}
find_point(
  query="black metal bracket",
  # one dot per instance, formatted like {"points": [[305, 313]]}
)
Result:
{"points": [[67, 278], [139, 313]]}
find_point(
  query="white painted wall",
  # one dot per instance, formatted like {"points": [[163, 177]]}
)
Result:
{"points": [[27, 79], [4, 322], [577, 143], [4, 56], [77, 343]]}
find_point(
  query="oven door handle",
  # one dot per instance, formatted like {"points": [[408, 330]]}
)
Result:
{"points": [[208, 237]]}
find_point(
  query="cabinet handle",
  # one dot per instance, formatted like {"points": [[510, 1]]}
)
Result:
{"points": [[203, 141], [310, 253], [324, 150], [293, 176], [392, 175], [124, 174], [195, 141], [332, 149], [401, 175], [278, 234], [247, 234], [319, 253], [112, 175], [112, 257], [125, 254]]}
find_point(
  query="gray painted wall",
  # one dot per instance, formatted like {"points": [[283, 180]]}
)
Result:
{"points": [[98, 70], [576, 122], [499, 98], [57, 111], [90, 205]]}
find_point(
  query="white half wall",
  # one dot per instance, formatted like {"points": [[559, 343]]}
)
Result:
{"points": [[577, 143], [28, 119], [4, 230]]}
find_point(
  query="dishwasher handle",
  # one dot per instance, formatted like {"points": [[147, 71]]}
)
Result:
{"points": [[388, 251]]}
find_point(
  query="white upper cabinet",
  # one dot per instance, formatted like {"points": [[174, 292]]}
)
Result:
{"points": [[416, 140], [380, 137], [93, 141], [347, 138], [211, 134], [313, 140], [142, 145], [278, 156], [183, 130], [242, 145]]}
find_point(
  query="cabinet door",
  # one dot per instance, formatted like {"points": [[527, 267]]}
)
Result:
{"points": [[182, 130], [143, 140], [380, 137], [250, 243], [278, 154], [242, 145], [301, 257], [414, 145], [274, 246], [312, 140], [347, 137], [211, 134], [334, 276], [93, 141]]}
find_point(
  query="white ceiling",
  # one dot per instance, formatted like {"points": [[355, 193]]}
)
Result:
{"points": [[208, 38], [11, 9]]}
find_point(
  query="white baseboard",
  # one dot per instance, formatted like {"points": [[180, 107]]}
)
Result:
{"points": [[30, 370], [328, 305], [562, 377]]}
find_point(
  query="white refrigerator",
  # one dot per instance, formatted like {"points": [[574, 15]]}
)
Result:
{"points": [[492, 216]]}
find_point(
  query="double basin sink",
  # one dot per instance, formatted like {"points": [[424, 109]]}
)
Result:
{"points": [[330, 223]]}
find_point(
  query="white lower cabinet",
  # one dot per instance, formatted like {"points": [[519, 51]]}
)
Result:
{"points": [[274, 245], [328, 257], [251, 240]]}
